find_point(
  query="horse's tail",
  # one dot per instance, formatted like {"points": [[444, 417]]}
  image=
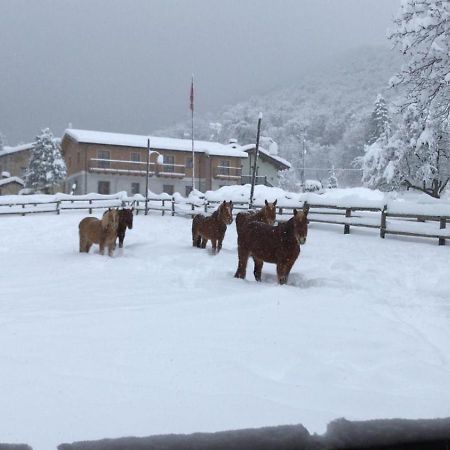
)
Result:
{"points": [[242, 220]]}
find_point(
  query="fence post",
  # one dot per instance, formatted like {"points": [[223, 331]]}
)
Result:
{"points": [[58, 207], [348, 214], [137, 207], [383, 222], [173, 206], [206, 207], [163, 208], [23, 207], [193, 209], [442, 226], [280, 211], [90, 209]]}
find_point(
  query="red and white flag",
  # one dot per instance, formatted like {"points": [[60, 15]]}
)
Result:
{"points": [[192, 94]]}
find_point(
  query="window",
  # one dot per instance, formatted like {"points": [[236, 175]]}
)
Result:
{"points": [[224, 167], [188, 190], [103, 155], [103, 187], [189, 163], [168, 189], [135, 157], [135, 188], [168, 163]]}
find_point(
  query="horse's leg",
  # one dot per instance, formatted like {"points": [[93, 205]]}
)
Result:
{"points": [[214, 245], [283, 270], [88, 246], [204, 242], [111, 247], [219, 245], [258, 268], [121, 238], [82, 245], [102, 247], [242, 265]]}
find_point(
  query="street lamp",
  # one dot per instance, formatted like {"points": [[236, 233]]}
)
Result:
{"points": [[302, 138], [159, 160]]}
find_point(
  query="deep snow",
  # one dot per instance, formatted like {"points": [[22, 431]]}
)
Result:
{"points": [[162, 338]]}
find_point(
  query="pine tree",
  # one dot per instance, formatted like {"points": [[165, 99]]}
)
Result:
{"points": [[46, 168], [332, 179], [379, 122]]}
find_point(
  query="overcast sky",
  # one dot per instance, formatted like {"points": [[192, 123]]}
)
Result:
{"points": [[125, 65]]}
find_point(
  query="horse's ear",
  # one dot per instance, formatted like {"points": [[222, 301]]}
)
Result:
{"points": [[231, 202], [305, 209], [266, 202], [295, 212], [224, 202], [275, 203]]}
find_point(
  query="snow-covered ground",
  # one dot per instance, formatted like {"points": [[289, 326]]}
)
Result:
{"points": [[162, 338]]}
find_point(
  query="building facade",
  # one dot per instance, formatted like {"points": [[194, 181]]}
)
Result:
{"points": [[111, 162], [15, 159], [267, 167]]}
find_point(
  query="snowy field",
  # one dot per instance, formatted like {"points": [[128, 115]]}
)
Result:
{"points": [[162, 339]]}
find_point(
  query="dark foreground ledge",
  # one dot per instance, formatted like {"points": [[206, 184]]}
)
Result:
{"points": [[341, 434]]}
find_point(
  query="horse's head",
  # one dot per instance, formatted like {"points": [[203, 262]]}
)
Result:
{"points": [[269, 212], [126, 217], [300, 224], [110, 219], [226, 212]]}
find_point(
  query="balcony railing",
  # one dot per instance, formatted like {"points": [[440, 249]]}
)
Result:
{"points": [[123, 167], [247, 179], [228, 173]]}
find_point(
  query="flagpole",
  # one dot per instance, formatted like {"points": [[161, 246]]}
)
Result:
{"points": [[192, 132]]}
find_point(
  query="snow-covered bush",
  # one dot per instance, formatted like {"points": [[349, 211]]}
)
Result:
{"points": [[313, 186]]}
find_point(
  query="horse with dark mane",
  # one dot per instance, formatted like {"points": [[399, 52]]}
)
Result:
{"points": [[125, 221], [279, 245], [267, 214], [102, 232], [213, 227]]}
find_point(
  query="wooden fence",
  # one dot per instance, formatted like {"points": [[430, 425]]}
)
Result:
{"points": [[418, 221]]}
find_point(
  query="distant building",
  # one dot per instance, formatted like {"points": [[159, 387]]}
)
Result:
{"points": [[10, 185], [267, 168], [15, 159], [112, 162]]}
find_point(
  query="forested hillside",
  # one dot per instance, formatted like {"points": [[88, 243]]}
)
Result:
{"points": [[331, 107]]}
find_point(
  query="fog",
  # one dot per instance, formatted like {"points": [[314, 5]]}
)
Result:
{"points": [[126, 66]]}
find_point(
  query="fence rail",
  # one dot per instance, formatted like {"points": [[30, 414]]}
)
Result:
{"points": [[415, 220]]}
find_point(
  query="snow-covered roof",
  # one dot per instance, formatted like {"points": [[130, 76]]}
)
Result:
{"points": [[18, 148], [162, 143], [279, 159], [18, 180]]}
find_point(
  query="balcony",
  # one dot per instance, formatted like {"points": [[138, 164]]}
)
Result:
{"points": [[247, 179], [135, 168], [228, 173]]}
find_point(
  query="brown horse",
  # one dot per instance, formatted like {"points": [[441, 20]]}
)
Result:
{"points": [[212, 228], [102, 232], [279, 245], [267, 214], [125, 221]]}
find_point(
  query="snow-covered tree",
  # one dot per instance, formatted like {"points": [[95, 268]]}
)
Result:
{"points": [[379, 120], [332, 179], [289, 180], [46, 168], [422, 32]]}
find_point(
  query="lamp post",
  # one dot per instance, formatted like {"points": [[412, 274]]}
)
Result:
{"points": [[149, 152]]}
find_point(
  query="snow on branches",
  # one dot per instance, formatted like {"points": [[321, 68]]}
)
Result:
{"points": [[46, 167], [422, 32]]}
